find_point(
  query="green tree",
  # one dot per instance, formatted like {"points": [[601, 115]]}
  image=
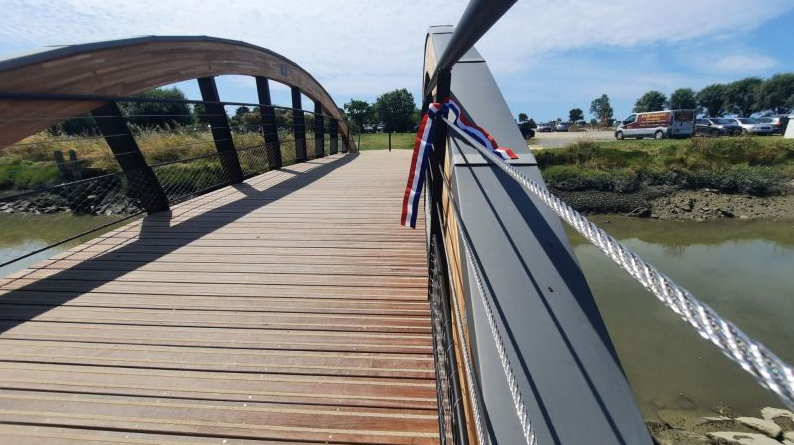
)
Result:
{"points": [[158, 114], [712, 100], [743, 96], [575, 115], [240, 111], [651, 101], [200, 114], [602, 109], [777, 93], [396, 110], [358, 111], [684, 98], [82, 125], [522, 117]]}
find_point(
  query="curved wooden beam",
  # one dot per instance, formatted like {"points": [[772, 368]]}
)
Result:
{"points": [[130, 66]]}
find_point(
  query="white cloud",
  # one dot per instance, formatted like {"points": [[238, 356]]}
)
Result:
{"points": [[361, 48], [742, 62]]}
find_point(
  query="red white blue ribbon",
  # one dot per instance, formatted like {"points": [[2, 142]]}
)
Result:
{"points": [[424, 144]]}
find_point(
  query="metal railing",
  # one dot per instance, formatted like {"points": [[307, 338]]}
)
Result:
{"points": [[503, 400], [117, 169]]}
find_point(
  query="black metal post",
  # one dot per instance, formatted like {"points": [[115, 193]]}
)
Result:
{"points": [[221, 133], [319, 130], [333, 132], [269, 128], [143, 183], [436, 188], [390, 141], [298, 125], [345, 144]]}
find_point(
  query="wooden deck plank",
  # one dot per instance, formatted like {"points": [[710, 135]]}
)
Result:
{"points": [[288, 309]]}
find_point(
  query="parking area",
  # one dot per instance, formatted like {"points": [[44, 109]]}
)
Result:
{"points": [[561, 139]]}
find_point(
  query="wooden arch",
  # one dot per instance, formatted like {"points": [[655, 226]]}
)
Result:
{"points": [[130, 66]]}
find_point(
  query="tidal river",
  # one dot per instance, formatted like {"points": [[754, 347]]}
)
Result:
{"points": [[742, 269]]}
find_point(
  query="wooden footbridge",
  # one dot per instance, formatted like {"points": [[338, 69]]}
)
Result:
{"points": [[264, 291], [286, 307]]}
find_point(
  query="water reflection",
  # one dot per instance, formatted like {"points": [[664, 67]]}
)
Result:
{"points": [[743, 269], [21, 233]]}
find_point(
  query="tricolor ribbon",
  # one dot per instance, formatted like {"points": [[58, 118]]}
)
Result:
{"points": [[424, 144]]}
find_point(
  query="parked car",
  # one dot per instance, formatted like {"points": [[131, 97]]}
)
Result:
{"points": [[561, 126], [526, 132], [704, 128], [657, 124], [727, 126], [545, 127], [752, 126], [369, 128], [778, 123], [380, 128]]}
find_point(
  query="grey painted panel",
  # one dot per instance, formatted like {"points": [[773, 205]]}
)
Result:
{"points": [[566, 366]]}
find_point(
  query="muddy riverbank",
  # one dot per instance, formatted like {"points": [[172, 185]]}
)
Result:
{"points": [[670, 203]]}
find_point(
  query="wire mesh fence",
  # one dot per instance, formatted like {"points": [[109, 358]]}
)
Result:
{"points": [[63, 183], [33, 221], [185, 178], [447, 393]]}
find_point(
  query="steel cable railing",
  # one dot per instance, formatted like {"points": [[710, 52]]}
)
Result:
{"points": [[472, 378], [767, 368], [68, 199]]}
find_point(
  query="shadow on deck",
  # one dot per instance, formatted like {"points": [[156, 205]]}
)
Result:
{"points": [[289, 307]]}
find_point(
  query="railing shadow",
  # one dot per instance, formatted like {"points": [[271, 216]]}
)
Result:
{"points": [[200, 225]]}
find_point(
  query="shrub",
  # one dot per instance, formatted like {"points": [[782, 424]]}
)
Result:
{"points": [[568, 177]]}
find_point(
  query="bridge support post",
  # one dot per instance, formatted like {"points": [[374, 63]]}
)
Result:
{"points": [[333, 133], [143, 183], [269, 127], [319, 130], [298, 125], [345, 144], [221, 133]]}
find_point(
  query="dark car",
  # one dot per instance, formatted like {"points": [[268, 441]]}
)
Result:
{"points": [[728, 127], [527, 132], [778, 123], [704, 128]]}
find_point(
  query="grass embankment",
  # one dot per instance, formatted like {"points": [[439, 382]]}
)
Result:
{"points": [[752, 165], [379, 141], [29, 164]]}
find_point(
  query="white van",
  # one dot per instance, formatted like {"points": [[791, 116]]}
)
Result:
{"points": [[657, 125]]}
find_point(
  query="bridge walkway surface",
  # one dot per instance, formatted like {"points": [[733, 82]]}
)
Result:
{"points": [[291, 307]]}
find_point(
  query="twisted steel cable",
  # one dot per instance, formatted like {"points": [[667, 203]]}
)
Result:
{"points": [[767, 368]]}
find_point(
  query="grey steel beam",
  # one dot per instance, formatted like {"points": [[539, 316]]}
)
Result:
{"points": [[269, 128], [298, 125], [566, 366], [221, 133]]}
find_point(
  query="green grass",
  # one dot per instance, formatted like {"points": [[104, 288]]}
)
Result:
{"points": [[755, 165], [21, 174], [380, 141]]}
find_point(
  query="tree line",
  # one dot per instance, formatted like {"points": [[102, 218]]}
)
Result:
{"points": [[743, 98], [395, 109], [168, 115]]}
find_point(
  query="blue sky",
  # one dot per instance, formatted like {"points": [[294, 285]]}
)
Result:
{"points": [[548, 56]]}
